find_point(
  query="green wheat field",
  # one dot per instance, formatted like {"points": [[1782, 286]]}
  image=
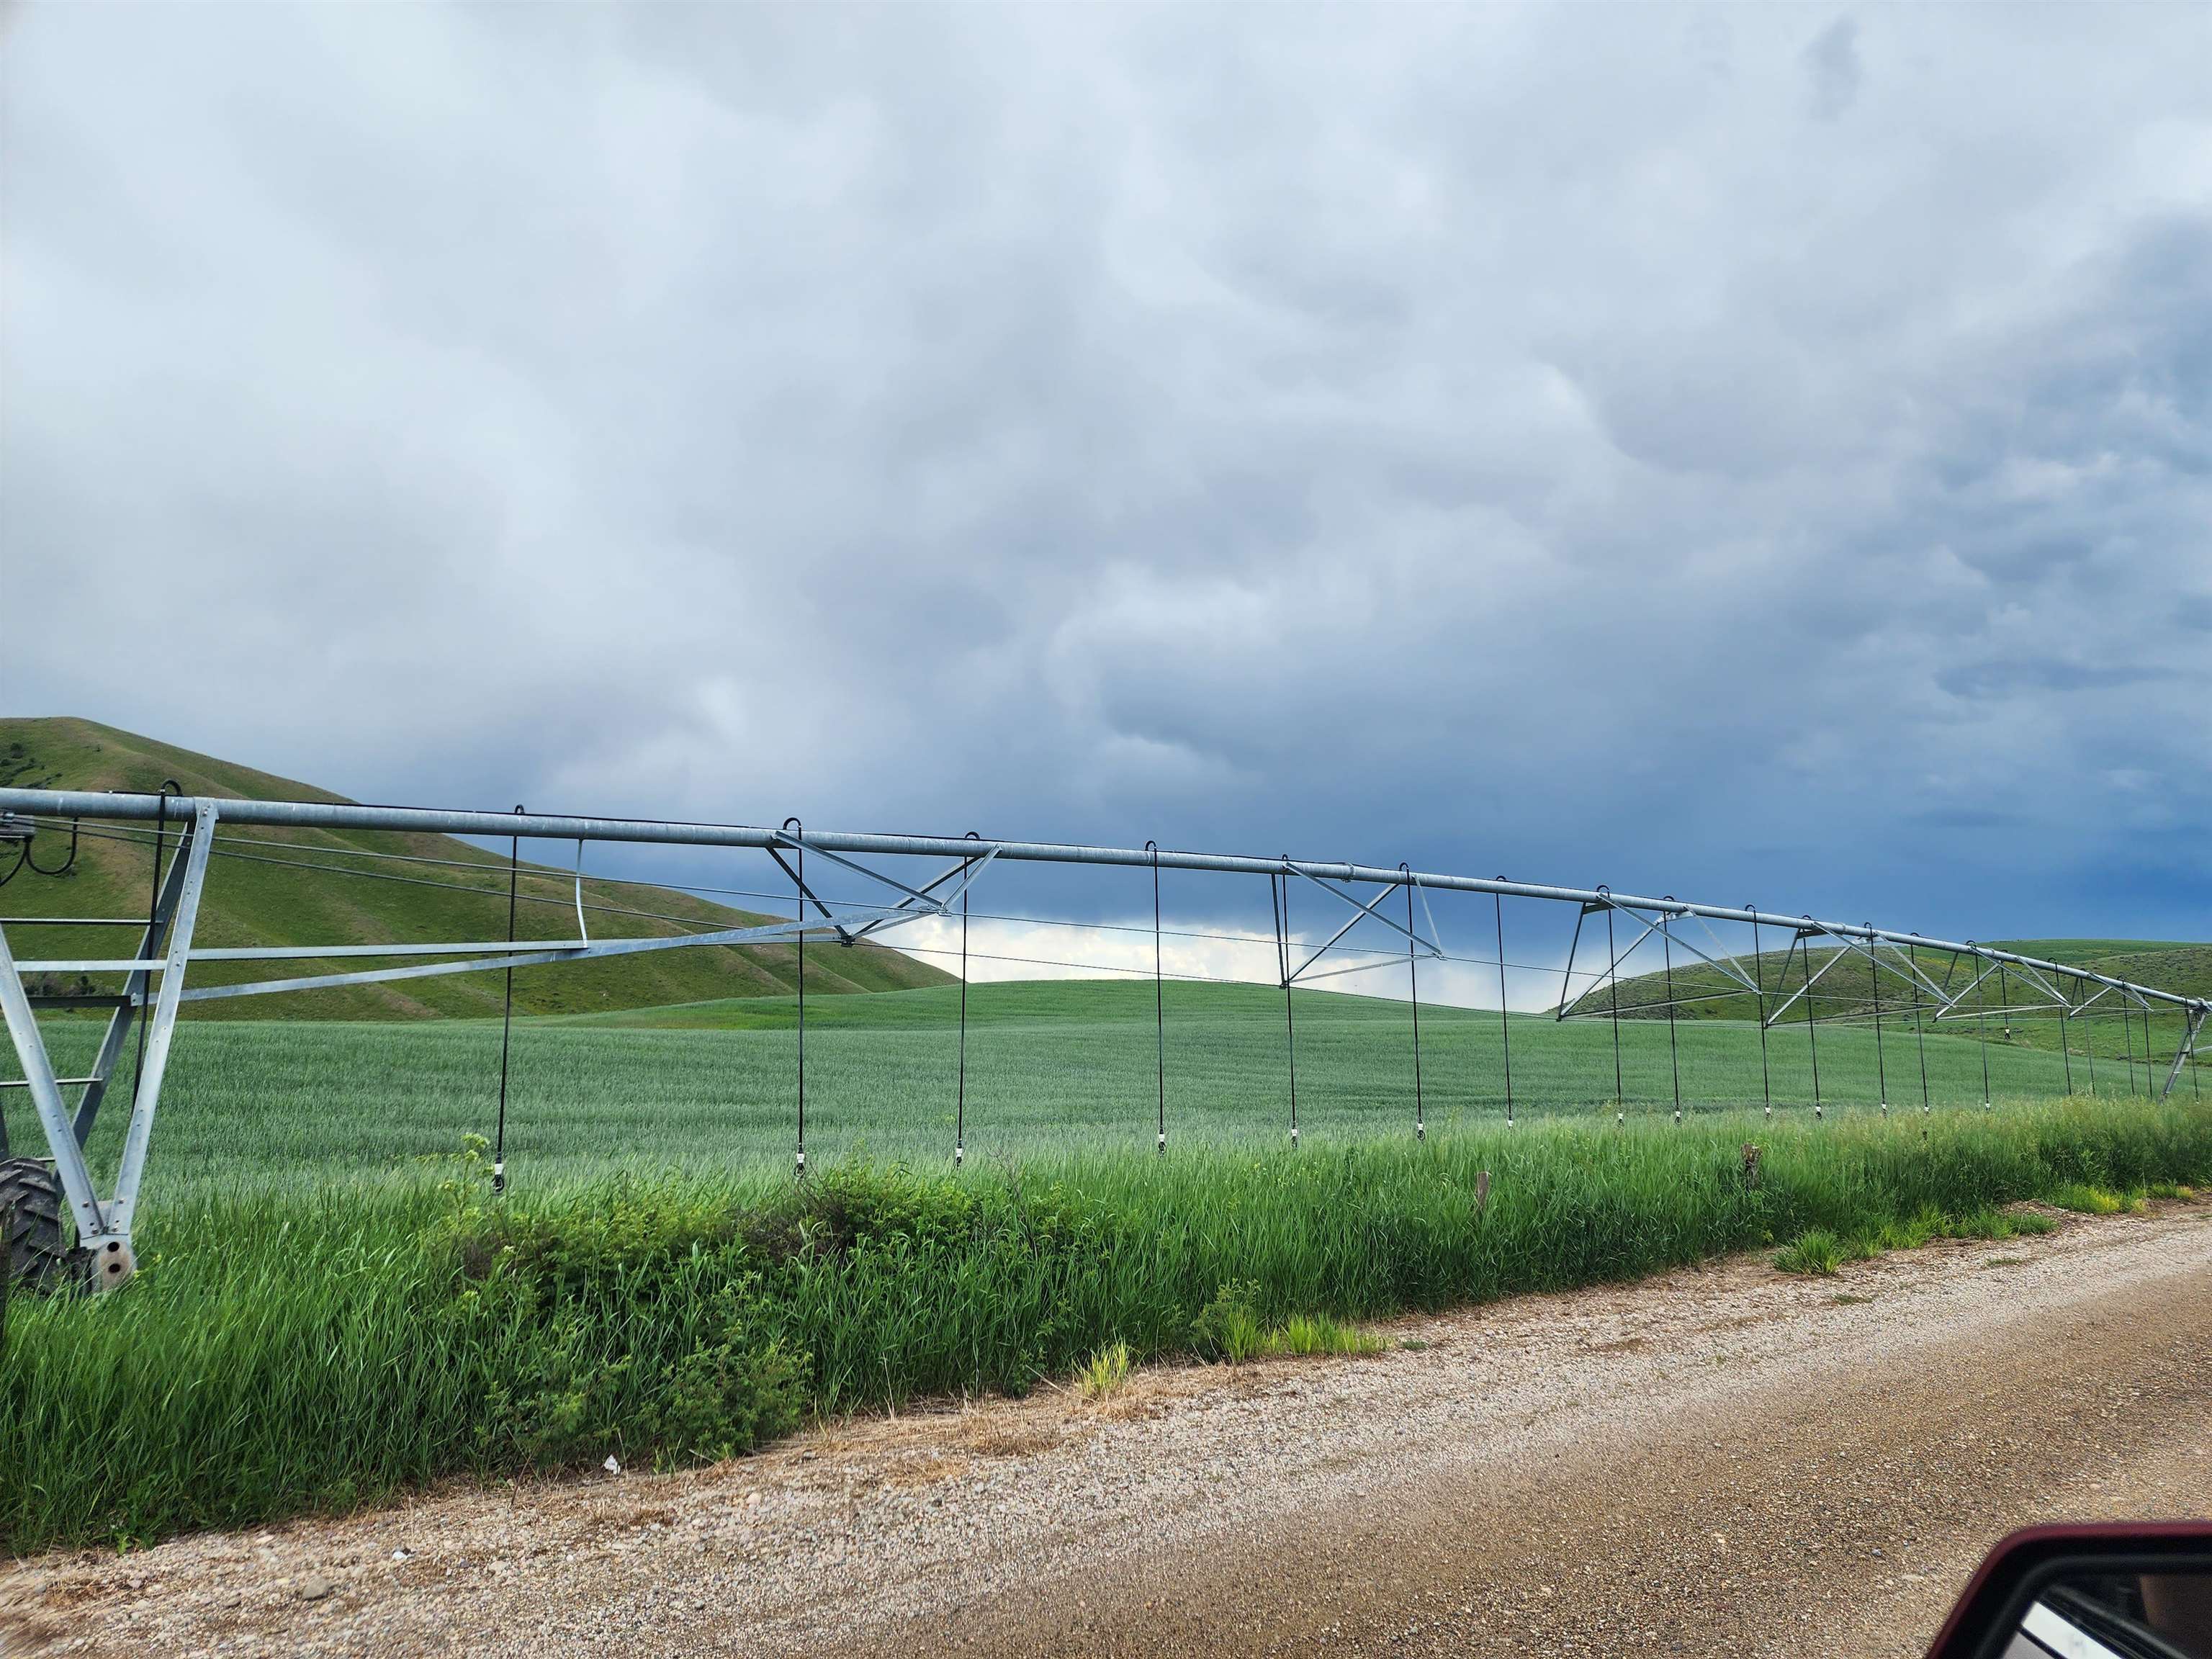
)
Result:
{"points": [[332, 1308]]}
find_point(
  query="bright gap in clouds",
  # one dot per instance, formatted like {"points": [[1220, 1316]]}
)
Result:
{"points": [[1197, 950]]}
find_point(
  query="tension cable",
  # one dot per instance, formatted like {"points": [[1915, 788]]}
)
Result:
{"points": [[793, 827], [1279, 889], [1159, 1003], [1982, 1026], [1919, 1032], [960, 1098], [1758, 992], [1880, 1064], [1414, 973], [507, 1014], [1673, 1054], [1504, 1026], [1811, 1037], [1612, 991]]}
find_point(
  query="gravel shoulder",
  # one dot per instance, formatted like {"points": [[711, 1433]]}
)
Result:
{"points": [[1722, 1460]]}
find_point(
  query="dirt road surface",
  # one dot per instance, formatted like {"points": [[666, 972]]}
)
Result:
{"points": [[1718, 1462]]}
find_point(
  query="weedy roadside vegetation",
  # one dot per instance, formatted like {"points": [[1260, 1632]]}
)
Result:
{"points": [[1104, 1372], [2087, 1198], [300, 1348], [1819, 1251], [1816, 1250]]}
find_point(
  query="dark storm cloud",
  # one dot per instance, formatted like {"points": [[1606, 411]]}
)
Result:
{"points": [[1687, 454]]}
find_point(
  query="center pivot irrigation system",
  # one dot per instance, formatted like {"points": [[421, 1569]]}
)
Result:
{"points": [[153, 978]]}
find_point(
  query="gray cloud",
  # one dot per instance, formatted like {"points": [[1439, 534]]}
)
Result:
{"points": [[1834, 69], [1448, 435]]}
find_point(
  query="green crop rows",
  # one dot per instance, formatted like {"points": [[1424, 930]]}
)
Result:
{"points": [[331, 1308]]}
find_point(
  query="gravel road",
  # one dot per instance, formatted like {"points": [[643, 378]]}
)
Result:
{"points": [[1723, 1460]]}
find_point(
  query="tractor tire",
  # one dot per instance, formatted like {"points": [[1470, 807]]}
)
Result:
{"points": [[33, 1243]]}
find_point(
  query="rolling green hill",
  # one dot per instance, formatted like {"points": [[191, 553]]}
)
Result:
{"points": [[309, 886]]}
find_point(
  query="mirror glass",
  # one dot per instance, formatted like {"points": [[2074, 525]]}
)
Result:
{"points": [[2100, 1614]]}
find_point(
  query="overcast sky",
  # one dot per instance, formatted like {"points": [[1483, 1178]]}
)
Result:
{"points": [[1750, 453]]}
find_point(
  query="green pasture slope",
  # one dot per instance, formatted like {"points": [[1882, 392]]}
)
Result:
{"points": [[267, 895]]}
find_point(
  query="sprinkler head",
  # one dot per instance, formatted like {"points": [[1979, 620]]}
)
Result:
{"points": [[957, 1152], [1163, 1146], [1294, 1134]]}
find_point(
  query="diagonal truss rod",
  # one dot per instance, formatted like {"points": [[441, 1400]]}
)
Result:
{"points": [[1360, 913], [1656, 923], [133, 996], [1806, 930], [483, 956], [2186, 1053], [104, 1229], [922, 901]]}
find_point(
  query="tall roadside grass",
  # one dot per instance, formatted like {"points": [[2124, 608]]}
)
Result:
{"points": [[278, 1355]]}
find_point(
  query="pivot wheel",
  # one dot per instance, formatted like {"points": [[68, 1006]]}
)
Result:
{"points": [[32, 1246]]}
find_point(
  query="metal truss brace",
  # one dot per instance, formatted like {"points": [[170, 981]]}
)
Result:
{"points": [[1902, 970], [1907, 968], [1950, 1003], [922, 901], [2083, 1007], [1360, 913], [1365, 911], [1723, 963], [1805, 933], [2035, 976], [1567, 972], [1612, 973], [490, 954], [969, 869], [104, 1230], [1727, 960], [159, 1032], [807, 894], [774, 932], [2186, 1054], [133, 996], [46, 1097]]}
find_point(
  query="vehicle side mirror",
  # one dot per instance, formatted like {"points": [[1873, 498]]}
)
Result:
{"points": [[2119, 1590]]}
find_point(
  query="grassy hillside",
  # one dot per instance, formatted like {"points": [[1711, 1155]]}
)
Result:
{"points": [[260, 891]]}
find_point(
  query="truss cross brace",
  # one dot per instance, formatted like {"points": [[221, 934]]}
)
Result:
{"points": [[1359, 912], [2186, 1054], [103, 1229]]}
